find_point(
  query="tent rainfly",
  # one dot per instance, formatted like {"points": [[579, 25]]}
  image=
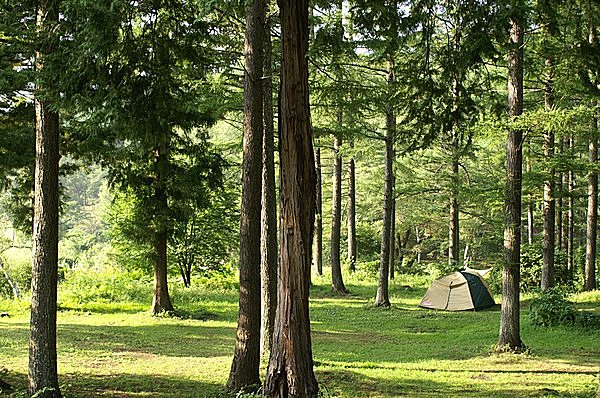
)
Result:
{"points": [[459, 291]]}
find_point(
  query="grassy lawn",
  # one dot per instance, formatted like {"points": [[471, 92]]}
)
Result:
{"points": [[119, 350]]}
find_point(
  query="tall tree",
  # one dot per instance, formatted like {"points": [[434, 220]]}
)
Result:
{"points": [[290, 371], [43, 372], [142, 112], [589, 280], [246, 360], [351, 219], [549, 207], [318, 233], [269, 202], [382, 298], [510, 329], [337, 280]]}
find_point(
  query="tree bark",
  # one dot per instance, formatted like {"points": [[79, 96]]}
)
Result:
{"points": [[245, 366], [337, 282], [571, 216], [530, 203], [549, 209], [382, 298], [351, 213], [318, 244], [453, 248], [269, 203], [161, 301], [589, 279], [43, 373], [393, 236], [290, 371], [510, 329]]}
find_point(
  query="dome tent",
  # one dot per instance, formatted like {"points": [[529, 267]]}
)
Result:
{"points": [[459, 291]]}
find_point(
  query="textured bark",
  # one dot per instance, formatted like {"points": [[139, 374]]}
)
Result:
{"points": [[510, 329], [549, 208], [245, 366], [290, 371], [43, 374], [318, 243], [382, 298], [268, 244], [589, 279], [337, 282], [351, 213]]}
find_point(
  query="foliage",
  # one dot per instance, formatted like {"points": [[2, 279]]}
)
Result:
{"points": [[551, 308], [103, 284], [531, 267]]}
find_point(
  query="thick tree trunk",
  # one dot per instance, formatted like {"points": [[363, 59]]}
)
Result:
{"points": [[589, 279], [382, 298], [269, 204], [337, 282], [245, 366], [510, 329], [162, 301], [318, 243], [290, 371], [453, 248], [549, 209], [351, 213], [43, 374]]}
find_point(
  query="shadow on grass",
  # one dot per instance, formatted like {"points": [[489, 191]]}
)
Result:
{"points": [[333, 382], [174, 340], [122, 385]]}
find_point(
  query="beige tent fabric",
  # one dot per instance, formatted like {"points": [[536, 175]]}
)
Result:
{"points": [[450, 293]]}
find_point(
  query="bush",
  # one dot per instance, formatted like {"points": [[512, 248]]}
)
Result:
{"points": [[105, 284], [17, 264], [551, 308]]}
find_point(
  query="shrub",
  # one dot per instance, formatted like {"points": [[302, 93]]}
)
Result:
{"points": [[551, 308]]}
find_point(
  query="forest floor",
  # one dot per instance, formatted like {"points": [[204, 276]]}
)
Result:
{"points": [[119, 350]]}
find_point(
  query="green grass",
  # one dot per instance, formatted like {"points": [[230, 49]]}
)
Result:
{"points": [[119, 350]]}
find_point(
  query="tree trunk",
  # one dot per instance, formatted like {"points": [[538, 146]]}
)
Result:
{"points": [[290, 371], [393, 237], [337, 282], [530, 203], [161, 302], [453, 248], [351, 213], [382, 298], [245, 366], [269, 204], [589, 280], [510, 329], [571, 217], [318, 244], [564, 224], [549, 210], [43, 374], [589, 277], [561, 234]]}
